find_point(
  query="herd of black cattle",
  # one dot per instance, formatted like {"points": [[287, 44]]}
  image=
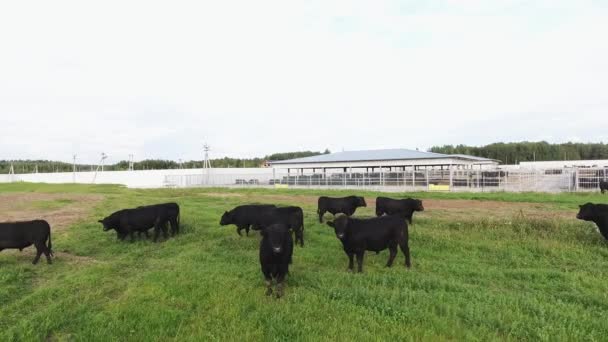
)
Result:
{"points": [[276, 225]]}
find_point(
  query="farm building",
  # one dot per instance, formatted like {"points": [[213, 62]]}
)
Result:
{"points": [[386, 160]]}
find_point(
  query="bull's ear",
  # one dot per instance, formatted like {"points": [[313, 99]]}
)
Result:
{"points": [[330, 223]]}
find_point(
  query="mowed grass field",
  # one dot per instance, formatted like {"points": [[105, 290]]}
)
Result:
{"points": [[485, 267]]}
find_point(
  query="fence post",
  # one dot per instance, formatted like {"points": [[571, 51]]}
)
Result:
{"points": [[451, 178], [426, 176], [576, 185], [413, 177]]}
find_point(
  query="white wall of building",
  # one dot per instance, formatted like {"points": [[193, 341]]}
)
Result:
{"points": [[132, 179], [560, 164]]}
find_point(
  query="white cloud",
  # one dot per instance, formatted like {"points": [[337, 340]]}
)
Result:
{"points": [[158, 79]]}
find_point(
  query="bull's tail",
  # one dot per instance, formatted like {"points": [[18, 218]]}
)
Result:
{"points": [[50, 245]]}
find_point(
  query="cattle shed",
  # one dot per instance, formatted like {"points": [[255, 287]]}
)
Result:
{"points": [[386, 160]]}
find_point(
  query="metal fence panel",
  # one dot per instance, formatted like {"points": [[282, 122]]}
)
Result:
{"points": [[549, 180]]}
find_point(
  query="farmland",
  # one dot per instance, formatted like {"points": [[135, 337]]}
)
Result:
{"points": [[485, 266]]}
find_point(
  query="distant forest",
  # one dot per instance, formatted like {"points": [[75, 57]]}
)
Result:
{"points": [[29, 166], [508, 153], [513, 153]]}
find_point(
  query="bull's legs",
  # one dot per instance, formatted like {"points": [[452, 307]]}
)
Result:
{"points": [[156, 233], [39, 248], [360, 261], [241, 227], [247, 230], [131, 234], [47, 254], [350, 261], [405, 248], [393, 254], [174, 227], [268, 278], [280, 285], [165, 229], [321, 213]]}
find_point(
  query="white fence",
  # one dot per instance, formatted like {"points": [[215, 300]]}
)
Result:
{"points": [[549, 180], [555, 180], [132, 179]]}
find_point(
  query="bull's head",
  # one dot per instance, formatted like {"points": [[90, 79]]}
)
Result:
{"points": [[361, 202], [105, 223], [586, 212], [226, 218], [277, 235], [340, 225]]}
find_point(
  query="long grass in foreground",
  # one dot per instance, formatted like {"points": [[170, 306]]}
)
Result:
{"points": [[478, 277]]}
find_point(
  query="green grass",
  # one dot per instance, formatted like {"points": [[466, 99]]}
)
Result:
{"points": [[482, 278]]}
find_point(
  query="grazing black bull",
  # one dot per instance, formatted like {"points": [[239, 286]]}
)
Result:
{"points": [[292, 217], [141, 219], [403, 207], [597, 213], [374, 234], [603, 186], [276, 250], [245, 216], [19, 235], [172, 210], [344, 205]]}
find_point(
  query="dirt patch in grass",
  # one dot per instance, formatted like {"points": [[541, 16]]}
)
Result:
{"points": [[221, 195], [60, 210], [440, 208], [462, 209]]}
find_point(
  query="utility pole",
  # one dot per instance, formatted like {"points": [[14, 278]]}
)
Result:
{"points": [[103, 160], [131, 163], [206, 163], [74, 169], [100, 165]]}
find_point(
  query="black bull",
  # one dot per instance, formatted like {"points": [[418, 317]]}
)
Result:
{"points": [[19, 235], [140, 219]]}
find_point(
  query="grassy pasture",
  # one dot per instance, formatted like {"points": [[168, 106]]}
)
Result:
{"points": [[485, 266]]}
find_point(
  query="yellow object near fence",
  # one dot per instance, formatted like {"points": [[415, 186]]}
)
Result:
{"points": [[281, 186], [433, 187]]}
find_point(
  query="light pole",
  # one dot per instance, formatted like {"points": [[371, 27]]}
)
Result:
{"points": [[74, 168]]}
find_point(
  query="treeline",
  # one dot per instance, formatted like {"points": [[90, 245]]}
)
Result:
{"points": [[44, 166], [513, 153]]}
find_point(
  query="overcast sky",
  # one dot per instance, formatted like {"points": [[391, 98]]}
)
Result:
{"points": [[157, 79]]}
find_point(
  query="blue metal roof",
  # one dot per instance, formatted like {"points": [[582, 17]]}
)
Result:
{"points": [[374, 155]]}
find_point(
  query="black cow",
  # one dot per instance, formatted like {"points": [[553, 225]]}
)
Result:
{"points": [[245, 216], [292, 217], [20, 235], [603, 186], [276, 250], [403, 207], [344, 205], [373, 234], [597, 213], [141, 219], [173, 213]]}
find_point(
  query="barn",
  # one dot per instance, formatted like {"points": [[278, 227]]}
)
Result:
{"points": [[386, 160]]}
